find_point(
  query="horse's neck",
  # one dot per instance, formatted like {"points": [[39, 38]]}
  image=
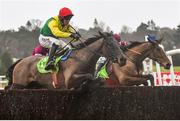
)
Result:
{"points": [[89, 55], [142, 53]]}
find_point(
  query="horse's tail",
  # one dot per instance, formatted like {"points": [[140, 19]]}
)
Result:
{"points": [[9, 74]]}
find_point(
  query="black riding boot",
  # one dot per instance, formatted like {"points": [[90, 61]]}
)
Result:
{"points": [[50, 63]]}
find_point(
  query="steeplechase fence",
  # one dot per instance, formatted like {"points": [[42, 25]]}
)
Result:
{"points": [[101, 103]]}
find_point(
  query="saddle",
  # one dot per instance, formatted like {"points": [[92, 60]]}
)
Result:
{"points": [[105, 71], [42, 64]]}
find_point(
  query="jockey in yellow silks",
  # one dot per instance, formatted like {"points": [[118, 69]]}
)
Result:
{"points": [[56, 33]]}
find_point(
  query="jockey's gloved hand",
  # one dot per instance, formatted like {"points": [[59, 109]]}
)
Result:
{"points": [[75, 36]]}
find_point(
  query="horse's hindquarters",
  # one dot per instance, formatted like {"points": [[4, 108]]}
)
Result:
{"points": [[25, 71]]}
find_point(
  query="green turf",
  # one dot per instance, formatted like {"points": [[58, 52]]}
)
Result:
{"points": [[176, 69]]}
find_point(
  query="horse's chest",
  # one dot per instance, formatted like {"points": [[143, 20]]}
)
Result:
{"points": [[131, 70]]}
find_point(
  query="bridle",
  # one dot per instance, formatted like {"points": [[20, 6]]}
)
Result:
{"points": [[81, 39], [138, 53]]}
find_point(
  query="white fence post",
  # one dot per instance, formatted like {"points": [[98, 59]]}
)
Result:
{"points": [[3, 81], [158, 69], [172, 72]]}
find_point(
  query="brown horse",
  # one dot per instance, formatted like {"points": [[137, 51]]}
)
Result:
{"points": [[74, 71], [131, 73]]}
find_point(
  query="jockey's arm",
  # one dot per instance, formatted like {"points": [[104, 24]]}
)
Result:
{"points": [[53, 25], [71, 30]]}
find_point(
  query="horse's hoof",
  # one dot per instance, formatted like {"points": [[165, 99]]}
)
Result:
{"points": [[152, 82], [145, 83], [151, 78]]}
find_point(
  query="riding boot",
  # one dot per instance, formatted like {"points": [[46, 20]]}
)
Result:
{"points": [[50, 63]]}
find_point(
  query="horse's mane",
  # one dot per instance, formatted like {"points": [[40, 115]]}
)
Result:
{"points": [[131, 45], [88, 41]]}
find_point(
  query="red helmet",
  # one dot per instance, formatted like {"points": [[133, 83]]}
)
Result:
{"points": [[117, 37], [65, 12]]}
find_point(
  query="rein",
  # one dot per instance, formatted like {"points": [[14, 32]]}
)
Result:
{"points": [[132, 60], [134, 51], [96, 53], [128, 58]]}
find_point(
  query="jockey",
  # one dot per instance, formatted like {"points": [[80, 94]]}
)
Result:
{"points": [[39, 50], [56, 32], [118, 38], [102, 60]]}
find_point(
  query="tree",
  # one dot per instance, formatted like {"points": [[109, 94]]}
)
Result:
{"points": [[96, 23], [178, 29], [33, 24], [142, 27], [108, 29], [22, 29], [151, 25], [28, 24], [2, 68], [102, 25], [6, 61], [177, 36], [125, 29]]}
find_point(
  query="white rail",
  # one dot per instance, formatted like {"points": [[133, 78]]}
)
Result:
{"points": [[3, 81]]}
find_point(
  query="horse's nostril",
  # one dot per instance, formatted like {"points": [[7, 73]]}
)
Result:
{"points": [[168, 65]]}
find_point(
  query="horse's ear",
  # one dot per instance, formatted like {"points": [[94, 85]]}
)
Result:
{"points": [[101, 33], [110, 33]]}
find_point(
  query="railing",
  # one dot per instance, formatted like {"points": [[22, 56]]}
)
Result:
{"points": [[3, 81]]}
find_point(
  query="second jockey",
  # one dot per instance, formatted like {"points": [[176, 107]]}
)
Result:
{"points": [[56, 33], [103, 60], [39, 50]]}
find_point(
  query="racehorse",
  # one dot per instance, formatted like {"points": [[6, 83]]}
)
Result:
{"points": [[131, 73], [74, 71]]}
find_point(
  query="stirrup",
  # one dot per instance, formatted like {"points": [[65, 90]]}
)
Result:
{"points": [[49, 66]]}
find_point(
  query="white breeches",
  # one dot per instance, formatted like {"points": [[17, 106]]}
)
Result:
{"points": [[47, 41]]}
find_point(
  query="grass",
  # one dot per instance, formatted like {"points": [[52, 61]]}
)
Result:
{"points": [[176, 69]]}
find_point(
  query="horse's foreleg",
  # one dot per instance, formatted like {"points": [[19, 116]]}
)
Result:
{"points": [[67, 77], [137, 80], [147, 77], [16, 86], [79, 79], [151, 78]]}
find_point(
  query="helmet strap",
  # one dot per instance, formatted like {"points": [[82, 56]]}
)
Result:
{"points": [[62, 20]]}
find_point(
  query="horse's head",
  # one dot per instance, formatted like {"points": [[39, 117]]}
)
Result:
{"points": [[111, 49], [158, 54]]}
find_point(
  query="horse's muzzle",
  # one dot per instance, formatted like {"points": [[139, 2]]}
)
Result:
{"points": [[167, 66]]}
